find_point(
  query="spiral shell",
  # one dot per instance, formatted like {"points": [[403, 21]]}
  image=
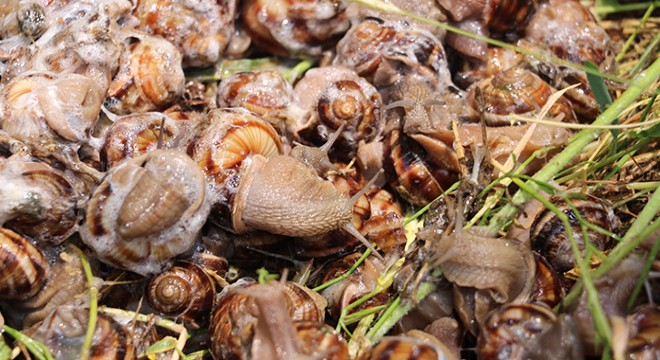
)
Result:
{"points": [[185, 290], [644, 333], [507, 330], [137, 134], [234, 319], [319, 340], [295, 27], [550, 238], [40, 106], [516, 91], [64, 329], [146, 211], [410, 173], [503, 16], [150, 77], [548, 286], [24, 267], [200, 30], [225, 143], [332, 96], [380, 50], [405, 347], [42, 202]]}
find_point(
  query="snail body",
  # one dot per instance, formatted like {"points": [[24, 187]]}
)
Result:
{"points": [[146, 211]]}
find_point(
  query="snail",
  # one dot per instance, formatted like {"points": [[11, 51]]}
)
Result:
{"points": [[418, 347], [184, 291], [136, 134], [516, 91], [497, 59], [331, 96], [257, 188], [39, 200], [266, 93], [146, 211], [150, 76], [251, 318], [200, 30], [643, 339], [548, 286], [549, 236], [43, 106], [24, 267], [508, 330], [303, 28], [63, 331]]}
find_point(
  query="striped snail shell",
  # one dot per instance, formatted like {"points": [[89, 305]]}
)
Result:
{"points": [[550, 238], [408, 347], [150, 77], [295, 27], [509, 329], [185, 290], [24, 268], [146, 211], [200, 30], [64, 329], [332, 96], [47, 105], [42, 201], [516, 91]]}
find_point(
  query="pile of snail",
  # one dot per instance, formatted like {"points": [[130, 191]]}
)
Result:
{"points": [[177, 190]]}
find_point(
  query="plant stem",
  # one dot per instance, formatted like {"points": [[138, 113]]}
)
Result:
{"points": [[344, 275], [645, 272], [85, 350], [576, 144]]}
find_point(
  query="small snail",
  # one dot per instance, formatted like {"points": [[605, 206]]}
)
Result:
{"points": [[150, 76], [185, 290], [200, 30], [295, 27], [24, 267], [644, 335], [64, 330], [508, 331], [550, 238], [41, 106], [332, 96], [146, 211], [548, 286], [516, 91], [39, 201], [409, 347]]}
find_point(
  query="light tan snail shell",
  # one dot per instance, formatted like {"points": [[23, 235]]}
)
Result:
{"points": [[146, 211]]}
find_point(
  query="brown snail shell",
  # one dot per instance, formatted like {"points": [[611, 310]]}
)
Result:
{"points": [[64, 329], [40, 106], [407, 347], [184, 290], [550, 239], [516, 91], [201, 31], [146, 211], [234, 321], [644, 333], [507, 331], [295, 27], [409, 171], [150, 77], [332, 96], [24, 267], [320, 340], [265, 93], [548, 286], [42, 202], [225, 144], [136, 134]]}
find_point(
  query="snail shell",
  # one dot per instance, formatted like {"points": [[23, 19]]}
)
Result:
{"points": [[508, 330], [200, 30], [265, 93], [225, 143], [644, 333], [40, 202], [146, 211], [332, 96], [550, 239], [24, 267], [406, 347], [41, 106], [295, 27], [548, 286], [516, 91], [185, 290], [409, 171], [137, 134], [64, 330], [150, 77]]}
